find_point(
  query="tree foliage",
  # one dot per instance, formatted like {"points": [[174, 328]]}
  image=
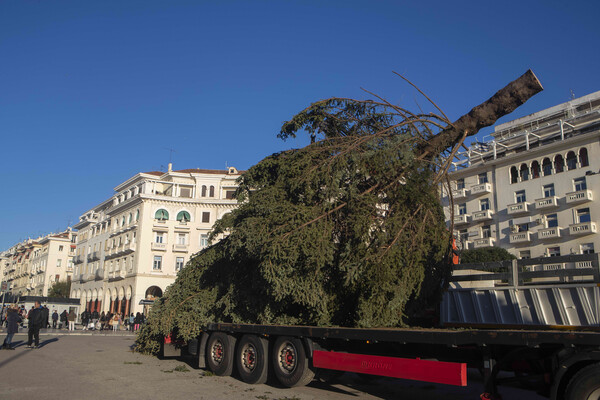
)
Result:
{"points": [[60, 289], [487, 254], [347, 231]]}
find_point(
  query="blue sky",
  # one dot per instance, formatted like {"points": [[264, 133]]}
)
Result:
{"points": [[92, 92]]}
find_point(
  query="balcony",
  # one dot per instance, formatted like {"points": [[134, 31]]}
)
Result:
{"points": [[584, 228], [95, 256], [581, 196], [546, 203], [517, 208], [549, 233], [461, 219], [520, 237], [459, 193], [180, 248], [481, 189], [482, 215], [77, 259], [483, 242], [99, 275], [159, 246]]}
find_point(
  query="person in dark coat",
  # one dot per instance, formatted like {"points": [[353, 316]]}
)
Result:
{"points": [[45, 317], [63, 319], [36, 322], [13, 319], [54, 319]]}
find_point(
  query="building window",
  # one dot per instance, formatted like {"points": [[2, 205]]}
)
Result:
{"points": [[524, 172], [159, 238], [583, 157], [157, 265], [178, 264], [520, 196], [229, 194], [58, 263], [211, 191], [549, 190], [547, 167], [587, 248], [203, 190], [525, 254], [559, 163], [203, 241], [523, 227], [182, 238], [183, 216], [553, 251], [185, 192], [514, 175], [484, 204], [483, 178], [535, 170], [463, 236], [206, 216], [460, 183], [579, 184], [137, 215], [486, 231], [61, 248], [571, 161], [130, 218], [161, 215], [123, 221], [583, 215], [462, 209], [551, 220]]}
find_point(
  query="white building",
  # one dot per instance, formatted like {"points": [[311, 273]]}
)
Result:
{"points": [[533, 188], [31, 267], [131, 246]]}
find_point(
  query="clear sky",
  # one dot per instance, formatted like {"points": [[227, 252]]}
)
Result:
{"points": [[93, 92]]}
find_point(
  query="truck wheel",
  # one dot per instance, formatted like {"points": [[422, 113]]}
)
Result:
{"points": [[290, 363], [252, 359], [585, 384], [219, 353]]}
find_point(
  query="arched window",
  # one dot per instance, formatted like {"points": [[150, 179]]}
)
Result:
{"points": [[137, 215], [547, 166], [161, 215], [583, 157], [203, 190], [524, 172], [559, 164], [535, 170], [183, 216], [212, 191], [123, 221], [514, 175], [130, 218], [571, 161]]}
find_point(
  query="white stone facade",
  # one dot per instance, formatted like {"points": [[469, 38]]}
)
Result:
{"points": [[533, 189], [131, 246]]}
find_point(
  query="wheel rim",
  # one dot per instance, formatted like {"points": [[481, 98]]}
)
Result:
{"points": [[249, 357], [287, 358], [216, 352], [595, 395]]}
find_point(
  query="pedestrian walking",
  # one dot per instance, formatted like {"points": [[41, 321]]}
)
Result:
{"points": [[71, 317], [131, 322], [137, 321], [13, 318], [36, 322]]}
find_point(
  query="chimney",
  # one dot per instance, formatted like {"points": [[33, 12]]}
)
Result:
{"points": [[170, 167]]}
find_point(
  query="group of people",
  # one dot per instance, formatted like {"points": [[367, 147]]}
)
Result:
{"points": [[13, 316], [114, 321]]}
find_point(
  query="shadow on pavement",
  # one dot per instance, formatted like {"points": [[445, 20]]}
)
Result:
{"points": [[17, 354]]}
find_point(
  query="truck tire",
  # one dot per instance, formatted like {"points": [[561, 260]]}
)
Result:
{"points": [[219, 353], [252, 359], [290, 363], [585, 384]]}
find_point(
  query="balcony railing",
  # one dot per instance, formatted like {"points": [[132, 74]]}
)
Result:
{"points": [[549, 233], [459, 193], [520, 237], [481, 189], [584, 228], [159, 246], [483, 242], [461, 219], [581, 196], [180, 247], [517, 208], [482, 215], [78, 259], [546, 202]]}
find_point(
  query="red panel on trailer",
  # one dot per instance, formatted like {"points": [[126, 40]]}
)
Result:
{"points": [[448, 373]]}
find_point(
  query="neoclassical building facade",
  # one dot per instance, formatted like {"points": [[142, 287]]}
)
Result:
{"points": [[533, 188], [131, 246]]}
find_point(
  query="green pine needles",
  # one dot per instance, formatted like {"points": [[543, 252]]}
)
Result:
{"points": [[347, 231]]}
